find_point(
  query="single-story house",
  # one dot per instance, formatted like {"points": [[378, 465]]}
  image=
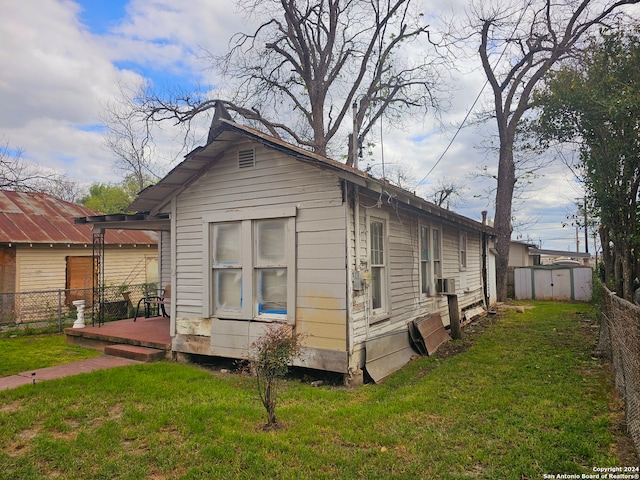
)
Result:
{"points": [[523, 254], [520, 254], [41, 248], [254, 230]]}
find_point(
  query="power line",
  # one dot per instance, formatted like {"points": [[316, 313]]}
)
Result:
{"points": [[475, 101]]}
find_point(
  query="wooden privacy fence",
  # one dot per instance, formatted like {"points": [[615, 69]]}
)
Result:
{"points": [[620, 342]]}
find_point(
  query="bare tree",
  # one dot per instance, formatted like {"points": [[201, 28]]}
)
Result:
{"points": [[62, 187], [15, 172], [446, 192], [518, 46], [308, 65], [18, 174], [126, 137]]}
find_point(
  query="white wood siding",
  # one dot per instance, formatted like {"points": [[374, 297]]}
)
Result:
{"points": [[164, 264], [406, 300]]}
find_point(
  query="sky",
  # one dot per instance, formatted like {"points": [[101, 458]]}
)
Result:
{"points": [[63, 61]]}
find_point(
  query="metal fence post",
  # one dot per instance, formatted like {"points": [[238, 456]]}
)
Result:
{"points": [[60, 311]]}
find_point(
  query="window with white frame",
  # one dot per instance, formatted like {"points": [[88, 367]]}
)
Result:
{"points": [[251, 261], [271, 266], [426, 277], [463, 251], [227, 267], [377, 249], [436, 248]]}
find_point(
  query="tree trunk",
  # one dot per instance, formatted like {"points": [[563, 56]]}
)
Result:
{"points": [[607, 258], [617, 271], [627, 272], [502, 220]]}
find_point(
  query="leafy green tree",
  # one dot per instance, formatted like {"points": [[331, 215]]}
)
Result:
{"points": [[111, 198], [596, 103]]}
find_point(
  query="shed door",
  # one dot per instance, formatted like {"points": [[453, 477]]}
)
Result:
{"points": [[552, 284], [562, 284], [81, 276], [543, 281]]}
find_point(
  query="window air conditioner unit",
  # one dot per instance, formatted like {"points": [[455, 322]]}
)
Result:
{"points": [[446, 285]]}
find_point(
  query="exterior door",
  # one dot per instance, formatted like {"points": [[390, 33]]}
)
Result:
{"points": [[81, 276]]}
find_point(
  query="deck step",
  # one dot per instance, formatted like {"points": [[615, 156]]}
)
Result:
{"points": [[134, 352]]}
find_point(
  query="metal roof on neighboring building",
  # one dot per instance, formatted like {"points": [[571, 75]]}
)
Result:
{"points": [[29, 217]]}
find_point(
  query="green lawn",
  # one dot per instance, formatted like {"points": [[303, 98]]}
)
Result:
{"points": [[522, 399], [28, 352]]}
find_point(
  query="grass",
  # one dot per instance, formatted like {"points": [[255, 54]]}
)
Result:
{"points": [[28, 352], [522, 399]]}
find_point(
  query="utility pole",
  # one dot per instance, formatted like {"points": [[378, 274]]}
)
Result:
{"points": [[586, 229]]}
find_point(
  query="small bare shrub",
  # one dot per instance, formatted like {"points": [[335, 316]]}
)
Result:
{"points": [[273, 352]]}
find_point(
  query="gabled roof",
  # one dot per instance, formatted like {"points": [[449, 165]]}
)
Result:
{"points": [[29, 217], [224, 132]]}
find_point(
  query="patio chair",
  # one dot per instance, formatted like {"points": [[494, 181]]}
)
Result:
{"points": [[160, 301]]}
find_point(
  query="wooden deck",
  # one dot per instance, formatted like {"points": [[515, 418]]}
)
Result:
{"points": [[150, 332]]}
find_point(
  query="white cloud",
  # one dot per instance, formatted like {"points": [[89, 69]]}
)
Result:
{"points": [[55, 76]]}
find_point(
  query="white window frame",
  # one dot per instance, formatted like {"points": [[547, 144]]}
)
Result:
{"points": [[250, 309], [425, 261], [219, 267], [463, 251], [381, 312], [260, 266], [436, 248]]}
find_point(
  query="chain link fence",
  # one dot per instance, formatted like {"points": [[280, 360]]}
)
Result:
{"points": [[45, 308], [619, 341]]}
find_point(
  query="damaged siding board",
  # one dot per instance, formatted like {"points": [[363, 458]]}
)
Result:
{"points": [[386, 354], [233, 338]]}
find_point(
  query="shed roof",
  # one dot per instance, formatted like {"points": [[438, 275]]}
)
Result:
{"points": [[153, 198], [30, 217], [558, 253]]}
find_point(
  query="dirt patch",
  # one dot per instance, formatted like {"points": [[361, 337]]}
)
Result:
{"points": [[623, 447], [470, 332], [11, 407], [22, 445]]}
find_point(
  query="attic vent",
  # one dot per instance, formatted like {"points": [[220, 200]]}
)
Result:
{"points": [[246, 159]]}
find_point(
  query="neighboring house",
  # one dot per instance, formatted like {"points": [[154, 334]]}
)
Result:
{"points": [[41, 248], [260, 231], [520, 256]]}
